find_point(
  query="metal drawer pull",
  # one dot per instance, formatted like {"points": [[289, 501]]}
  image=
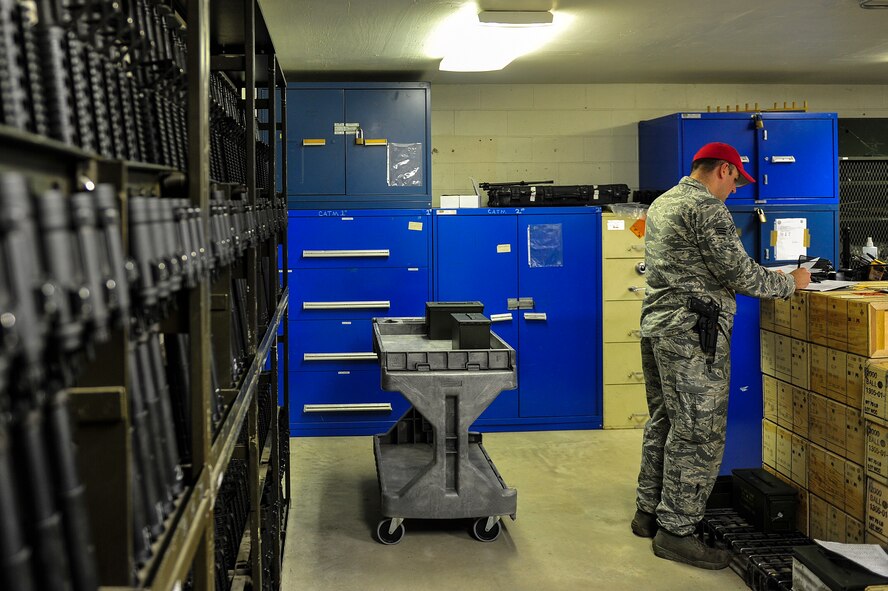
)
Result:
{"points": [[638, 375], [635, 333], [782, 159], [362, 407], [334, 254], [500, 317], [535, 316], [636, 248], [339, 356], [314, 142], [382, 305], [634, 289]]}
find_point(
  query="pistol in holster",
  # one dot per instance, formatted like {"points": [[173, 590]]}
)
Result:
{"points": [[707, 323]]}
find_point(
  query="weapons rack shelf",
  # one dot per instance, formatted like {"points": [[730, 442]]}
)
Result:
{"points": [[230, 37]]}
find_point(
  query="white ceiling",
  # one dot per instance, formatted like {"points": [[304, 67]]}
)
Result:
{"points": [[609, 41]]}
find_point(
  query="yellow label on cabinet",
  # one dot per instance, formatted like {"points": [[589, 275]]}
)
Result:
{"points": [[501, 248], [415, 226]]}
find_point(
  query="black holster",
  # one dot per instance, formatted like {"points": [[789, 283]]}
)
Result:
{"points": [[707, 323]]}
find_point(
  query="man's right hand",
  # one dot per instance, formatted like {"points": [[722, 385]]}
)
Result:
{"points": [[802, 278]]}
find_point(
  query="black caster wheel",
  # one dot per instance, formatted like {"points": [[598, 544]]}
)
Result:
{"points": [[485, 536], [384, 537]]}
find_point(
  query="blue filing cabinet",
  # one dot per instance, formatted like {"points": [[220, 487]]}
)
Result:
{"points": [[364, 145], [347, 267], [538, 273], [794, 158]]}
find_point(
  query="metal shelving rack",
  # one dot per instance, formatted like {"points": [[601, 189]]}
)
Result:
{"points": [[231, 37]]}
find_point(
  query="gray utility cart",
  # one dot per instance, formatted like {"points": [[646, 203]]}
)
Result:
{"points": [[429, 466]]}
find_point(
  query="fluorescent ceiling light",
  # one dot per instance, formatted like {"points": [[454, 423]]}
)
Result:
{"points": [[465, 44], [515, 18]]}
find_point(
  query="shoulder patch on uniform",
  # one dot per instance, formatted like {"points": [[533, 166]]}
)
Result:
{"points": [[722, 231]]}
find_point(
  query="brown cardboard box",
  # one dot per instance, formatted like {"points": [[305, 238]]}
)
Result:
{"points": [[877, 508], [769, 397], [784, 405], [783, 317], [835, 524], [799, 363], [856, 365], [854, 532], [855, 490], [799, 460], [783, 357], [875, 391], [834, 480], [868, 326], [818, 360], [800, 405], [817, 419], [836, 425], [872, 538], [877, 451], [837, 374], [798, 319], [784, 452], [837, 320], [855, 436], [766, 314], [817, 511], [817, 318], [769, 444], [769, 353]]}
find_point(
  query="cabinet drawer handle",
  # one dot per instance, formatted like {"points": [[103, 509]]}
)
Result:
{"points": [[535, 316], [380, 305], [376, 142], [635, 289], [638, 375], [500, 317], [635, 248], [339, 356], [635, 333], [314, 142], [362, 407], [336, 254], [782, 159]]}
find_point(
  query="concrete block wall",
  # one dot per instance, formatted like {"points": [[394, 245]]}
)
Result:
{"points": [[587, 133]]}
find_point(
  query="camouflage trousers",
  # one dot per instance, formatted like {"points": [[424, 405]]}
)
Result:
{"points": [[687, 396]]}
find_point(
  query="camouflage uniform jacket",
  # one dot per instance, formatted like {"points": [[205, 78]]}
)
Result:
{"points": [[692, 249]]}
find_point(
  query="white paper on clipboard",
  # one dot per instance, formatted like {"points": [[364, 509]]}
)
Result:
{"points": [[790, 238]]}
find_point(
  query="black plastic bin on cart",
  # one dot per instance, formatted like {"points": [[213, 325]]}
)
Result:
{"points": [[429, 466]]}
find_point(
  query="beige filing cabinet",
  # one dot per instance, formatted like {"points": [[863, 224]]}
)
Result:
{"points": [[625, 404]]}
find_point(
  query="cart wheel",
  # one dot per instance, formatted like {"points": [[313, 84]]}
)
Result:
{"points": [[485, 536], [384, 537]]}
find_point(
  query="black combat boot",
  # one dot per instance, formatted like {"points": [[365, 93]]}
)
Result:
{"points": [[689, 550], [644, 524]]}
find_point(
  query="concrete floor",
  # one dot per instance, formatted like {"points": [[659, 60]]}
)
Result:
{"points": [[575, 501]]}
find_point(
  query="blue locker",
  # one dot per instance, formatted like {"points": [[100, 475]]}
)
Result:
{"points": [[342, 172], [347, 267], [315, 154], [745, 403], [548, 257], [793, 156]]}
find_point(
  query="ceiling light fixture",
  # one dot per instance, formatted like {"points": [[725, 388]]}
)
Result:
{"points": [[470, 40], [515, 18]]}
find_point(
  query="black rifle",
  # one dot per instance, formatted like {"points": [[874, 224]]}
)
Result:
{"points": [[707, 323]]}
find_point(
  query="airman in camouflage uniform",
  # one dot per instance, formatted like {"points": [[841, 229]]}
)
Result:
{"points": [[692, 250]]}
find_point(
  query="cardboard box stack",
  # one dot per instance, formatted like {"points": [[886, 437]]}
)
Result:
{"points": [[825, 429]]}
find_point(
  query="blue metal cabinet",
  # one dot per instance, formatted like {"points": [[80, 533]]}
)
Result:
{"points": [[745, 402], [359, 145], [347, 267], [549, 258], [791, 155]]}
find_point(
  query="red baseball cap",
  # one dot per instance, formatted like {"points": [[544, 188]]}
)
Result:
{"points": [[726, 152]]}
